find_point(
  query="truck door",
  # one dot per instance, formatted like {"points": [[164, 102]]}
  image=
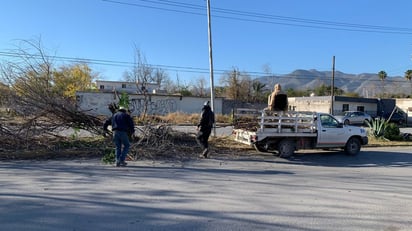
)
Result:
{"points": [[330, 132]]}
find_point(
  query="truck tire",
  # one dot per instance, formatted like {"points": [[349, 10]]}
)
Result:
{"points": [[259, 147], [353, 146], [286, 148]]}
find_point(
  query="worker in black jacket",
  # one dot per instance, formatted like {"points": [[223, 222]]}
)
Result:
{"points": [[122, 127], [204, 128]]}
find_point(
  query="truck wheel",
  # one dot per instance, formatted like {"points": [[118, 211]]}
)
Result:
{"points": [[259, 147], [286, 148], [353, 146]]}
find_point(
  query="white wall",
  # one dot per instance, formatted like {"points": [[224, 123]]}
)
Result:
{"points": [[96, 103], [316, 103], [406, 106], [322, 104]]}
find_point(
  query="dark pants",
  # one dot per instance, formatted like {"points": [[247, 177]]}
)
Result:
{"points": [[121, 138], [202, 138]]}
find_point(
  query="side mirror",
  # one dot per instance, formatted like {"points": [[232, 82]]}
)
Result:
{"points": [[340, 125]]}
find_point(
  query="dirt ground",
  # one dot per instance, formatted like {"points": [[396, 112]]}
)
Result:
{"points": [[180, 148]]}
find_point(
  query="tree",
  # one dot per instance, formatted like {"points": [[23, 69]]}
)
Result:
{"points": [[257, 91], [72, 78], [143, 74], [30, 77], [382, 76], [161, 78], [324, 90], [199, 87], [237, 85], [408, 75]]}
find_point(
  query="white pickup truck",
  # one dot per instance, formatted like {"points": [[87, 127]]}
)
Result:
{"points": [[287, 132]]}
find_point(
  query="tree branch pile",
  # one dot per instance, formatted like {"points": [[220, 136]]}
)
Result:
{"points": [[162, 142]]}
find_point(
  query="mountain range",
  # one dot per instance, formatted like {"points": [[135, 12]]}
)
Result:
{"points": [[365, 84]]}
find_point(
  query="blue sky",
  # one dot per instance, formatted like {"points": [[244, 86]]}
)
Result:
{"points": [[275, 36]]}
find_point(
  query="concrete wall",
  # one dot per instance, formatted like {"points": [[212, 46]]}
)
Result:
{"points": [[315, 103], [406, 106], [96, 103], [323, 104], [230, 105]]}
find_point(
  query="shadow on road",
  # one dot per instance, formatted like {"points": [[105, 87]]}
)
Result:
{"points": [[365, 158]]}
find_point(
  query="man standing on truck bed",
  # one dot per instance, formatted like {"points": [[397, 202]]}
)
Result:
{"points": [[207, 119], [277, 100]]}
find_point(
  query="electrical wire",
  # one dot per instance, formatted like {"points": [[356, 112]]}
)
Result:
{"points": [[252, 74], [178, 7]]}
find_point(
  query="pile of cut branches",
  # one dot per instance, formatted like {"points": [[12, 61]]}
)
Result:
{"points": [[246, 122]]}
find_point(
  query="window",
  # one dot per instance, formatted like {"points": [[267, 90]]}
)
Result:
{"points": [[360, 108], [123, 85], [101, 87], [345, 107], [328, 122]]}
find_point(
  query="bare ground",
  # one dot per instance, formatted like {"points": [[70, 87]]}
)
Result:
{"points": [[178, 147]]}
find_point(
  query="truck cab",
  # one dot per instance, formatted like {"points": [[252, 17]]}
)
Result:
{"points": [[332, 133]]}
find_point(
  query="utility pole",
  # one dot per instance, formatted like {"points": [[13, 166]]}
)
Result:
{"points": [[332, 87], [212, 91]]}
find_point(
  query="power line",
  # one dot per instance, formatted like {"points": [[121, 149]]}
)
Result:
{"points": [[179, 7], [252, 74]]}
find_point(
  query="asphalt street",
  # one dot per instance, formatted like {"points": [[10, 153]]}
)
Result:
{"points": [[312, 191]]}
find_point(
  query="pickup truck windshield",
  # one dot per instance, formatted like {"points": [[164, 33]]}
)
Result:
{"points": [[328, 121]]}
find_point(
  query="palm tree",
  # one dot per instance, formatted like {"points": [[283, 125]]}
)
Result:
{"points": [[408, 75], [382, 76], [257, 90]]}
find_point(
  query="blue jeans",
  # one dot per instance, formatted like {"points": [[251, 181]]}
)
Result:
{"points": [[121, 138]]}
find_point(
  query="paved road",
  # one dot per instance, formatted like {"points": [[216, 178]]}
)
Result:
{"points": [[312, 191]]}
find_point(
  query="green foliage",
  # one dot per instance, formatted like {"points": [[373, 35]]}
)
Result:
{"points": [[380, 128], [297, 93], [382, 75], [109, 156], [184, 91], [124, 100], [257, 91], [75, 135], [408, 75], [377, 127], [392, 132], [352, 94], [67, 80], [323, 90]]}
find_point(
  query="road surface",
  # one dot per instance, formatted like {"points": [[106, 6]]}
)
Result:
{"points": [[312, 191]]}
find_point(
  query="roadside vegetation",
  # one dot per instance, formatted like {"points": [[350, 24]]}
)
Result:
{"points": [[383, 133], [39, 102]]}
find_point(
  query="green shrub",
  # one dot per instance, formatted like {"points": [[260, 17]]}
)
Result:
{"points": [[377, 127], [392, 132], [109, 156]]}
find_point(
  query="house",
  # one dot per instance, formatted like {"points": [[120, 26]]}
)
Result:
{"points": [[127, 87], [372, 106]]}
